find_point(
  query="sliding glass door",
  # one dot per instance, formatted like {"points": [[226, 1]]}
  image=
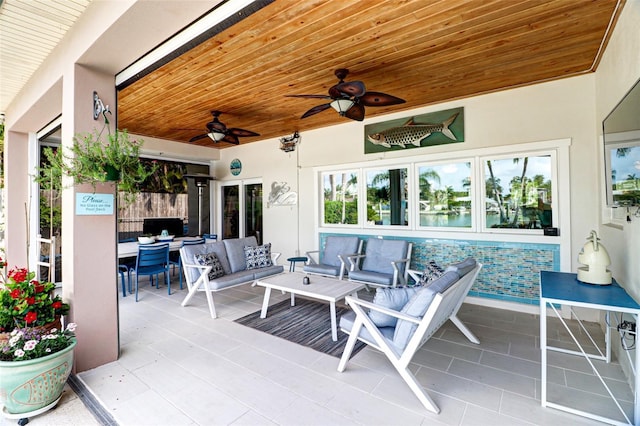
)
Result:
{"points": [[241, 209]]}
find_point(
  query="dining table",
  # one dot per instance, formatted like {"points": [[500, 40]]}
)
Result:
{"points": [[130, 248]]}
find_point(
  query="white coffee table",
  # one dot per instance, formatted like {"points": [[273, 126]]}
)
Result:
{"points": [[321, 288]]}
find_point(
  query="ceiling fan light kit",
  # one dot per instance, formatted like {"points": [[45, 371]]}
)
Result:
{"points": [[342, 105], [349, 98], [218, 132], [216, 136]]}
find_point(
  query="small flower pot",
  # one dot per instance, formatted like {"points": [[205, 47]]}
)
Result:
{"points": [[29, 386]]}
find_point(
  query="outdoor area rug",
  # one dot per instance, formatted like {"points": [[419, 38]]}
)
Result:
{"points": [[308, 324]]}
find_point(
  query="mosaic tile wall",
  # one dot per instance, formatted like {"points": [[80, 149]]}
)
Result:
{"points": [[510, 270]]}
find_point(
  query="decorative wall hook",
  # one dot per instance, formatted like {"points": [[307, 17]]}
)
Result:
{"points": [[98, 106], [288, 143]]}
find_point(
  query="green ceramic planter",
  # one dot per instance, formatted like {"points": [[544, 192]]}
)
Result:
{"points": [[28, 386]]}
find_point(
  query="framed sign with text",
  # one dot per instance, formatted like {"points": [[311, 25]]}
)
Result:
{"points": [[94, 204]]}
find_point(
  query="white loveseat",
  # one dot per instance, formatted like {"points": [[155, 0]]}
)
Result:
{"points": [[233, 263]]}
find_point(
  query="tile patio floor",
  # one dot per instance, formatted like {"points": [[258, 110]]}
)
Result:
{"points": [[180, 367]]}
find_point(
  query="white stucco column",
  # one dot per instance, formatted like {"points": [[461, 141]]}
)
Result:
{"points": [[16, 187], [89, 248]]}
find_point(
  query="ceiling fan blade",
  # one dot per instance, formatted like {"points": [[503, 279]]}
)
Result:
{"points": [[233, 139], [309, 96], [216, 126], [197, 138], [379, 99], [334, 93], [241, 132], [315, 110], [352, 88], [356, 112]]}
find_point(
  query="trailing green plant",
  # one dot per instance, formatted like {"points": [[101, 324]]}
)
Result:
{"points": [[92, 160]]}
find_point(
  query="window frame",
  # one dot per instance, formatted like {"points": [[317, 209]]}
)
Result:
{"points": [[472, 194], [554, 190], [558, 149], [364, 187], [351, 170]]}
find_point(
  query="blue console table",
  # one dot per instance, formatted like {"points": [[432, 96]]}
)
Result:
{"points": [[561, 288]]}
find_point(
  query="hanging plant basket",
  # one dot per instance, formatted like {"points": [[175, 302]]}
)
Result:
{"points": [[112, 174]]}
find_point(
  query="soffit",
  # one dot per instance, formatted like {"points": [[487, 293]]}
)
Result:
{"points": [[29, 31]]}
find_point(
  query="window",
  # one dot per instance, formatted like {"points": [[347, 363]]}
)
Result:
{"points": [[518, 192], [387, 197], [340, 197], [490, 190], [444, 195]]}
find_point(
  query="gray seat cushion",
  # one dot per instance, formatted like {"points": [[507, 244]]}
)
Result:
{"points": [[372, 277], [322, 269], [380, 253], [268, 270], [231, 279], [417, 306], [346, 323]]}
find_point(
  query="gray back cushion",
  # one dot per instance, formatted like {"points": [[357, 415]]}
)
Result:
{"points": [[417, 306], [235, 252], [462, 268], [334, 246], [393, 298], [188, 254], [380, 253]]}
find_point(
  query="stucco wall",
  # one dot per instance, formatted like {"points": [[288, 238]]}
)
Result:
{"points": [[553, 110], [617, 72]]}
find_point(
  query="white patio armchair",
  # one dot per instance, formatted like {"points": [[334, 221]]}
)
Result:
{"points": [[406, 328], [332, 260], [384, 263]]}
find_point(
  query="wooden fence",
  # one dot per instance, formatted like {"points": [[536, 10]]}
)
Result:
{"points": [[131, 216]]}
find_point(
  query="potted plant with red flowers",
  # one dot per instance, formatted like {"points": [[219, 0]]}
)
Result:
{"points": [[36, 354], [25, 302]]}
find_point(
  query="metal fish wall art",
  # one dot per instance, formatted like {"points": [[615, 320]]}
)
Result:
{"points": [[411, 133]]}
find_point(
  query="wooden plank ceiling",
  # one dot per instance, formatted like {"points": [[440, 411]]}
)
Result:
{"points": [[425, 52]]}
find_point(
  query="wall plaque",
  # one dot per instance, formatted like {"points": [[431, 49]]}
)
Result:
{"points": [[94, 204]]}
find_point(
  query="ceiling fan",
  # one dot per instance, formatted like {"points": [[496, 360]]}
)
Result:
{"points": [[217, 131], [349, 98]]}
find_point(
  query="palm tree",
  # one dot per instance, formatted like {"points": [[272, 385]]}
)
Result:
{"points": [[493, 187], [425, 179], [519, 201]]}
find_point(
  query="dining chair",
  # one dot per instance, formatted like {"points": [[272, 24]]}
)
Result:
{"points": [[124, 267], [153, 260], [176, 261]]}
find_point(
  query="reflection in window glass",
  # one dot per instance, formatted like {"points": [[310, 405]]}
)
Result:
{"points": [[445, 195], [518, 192], [340, 197], [387, 195]]}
